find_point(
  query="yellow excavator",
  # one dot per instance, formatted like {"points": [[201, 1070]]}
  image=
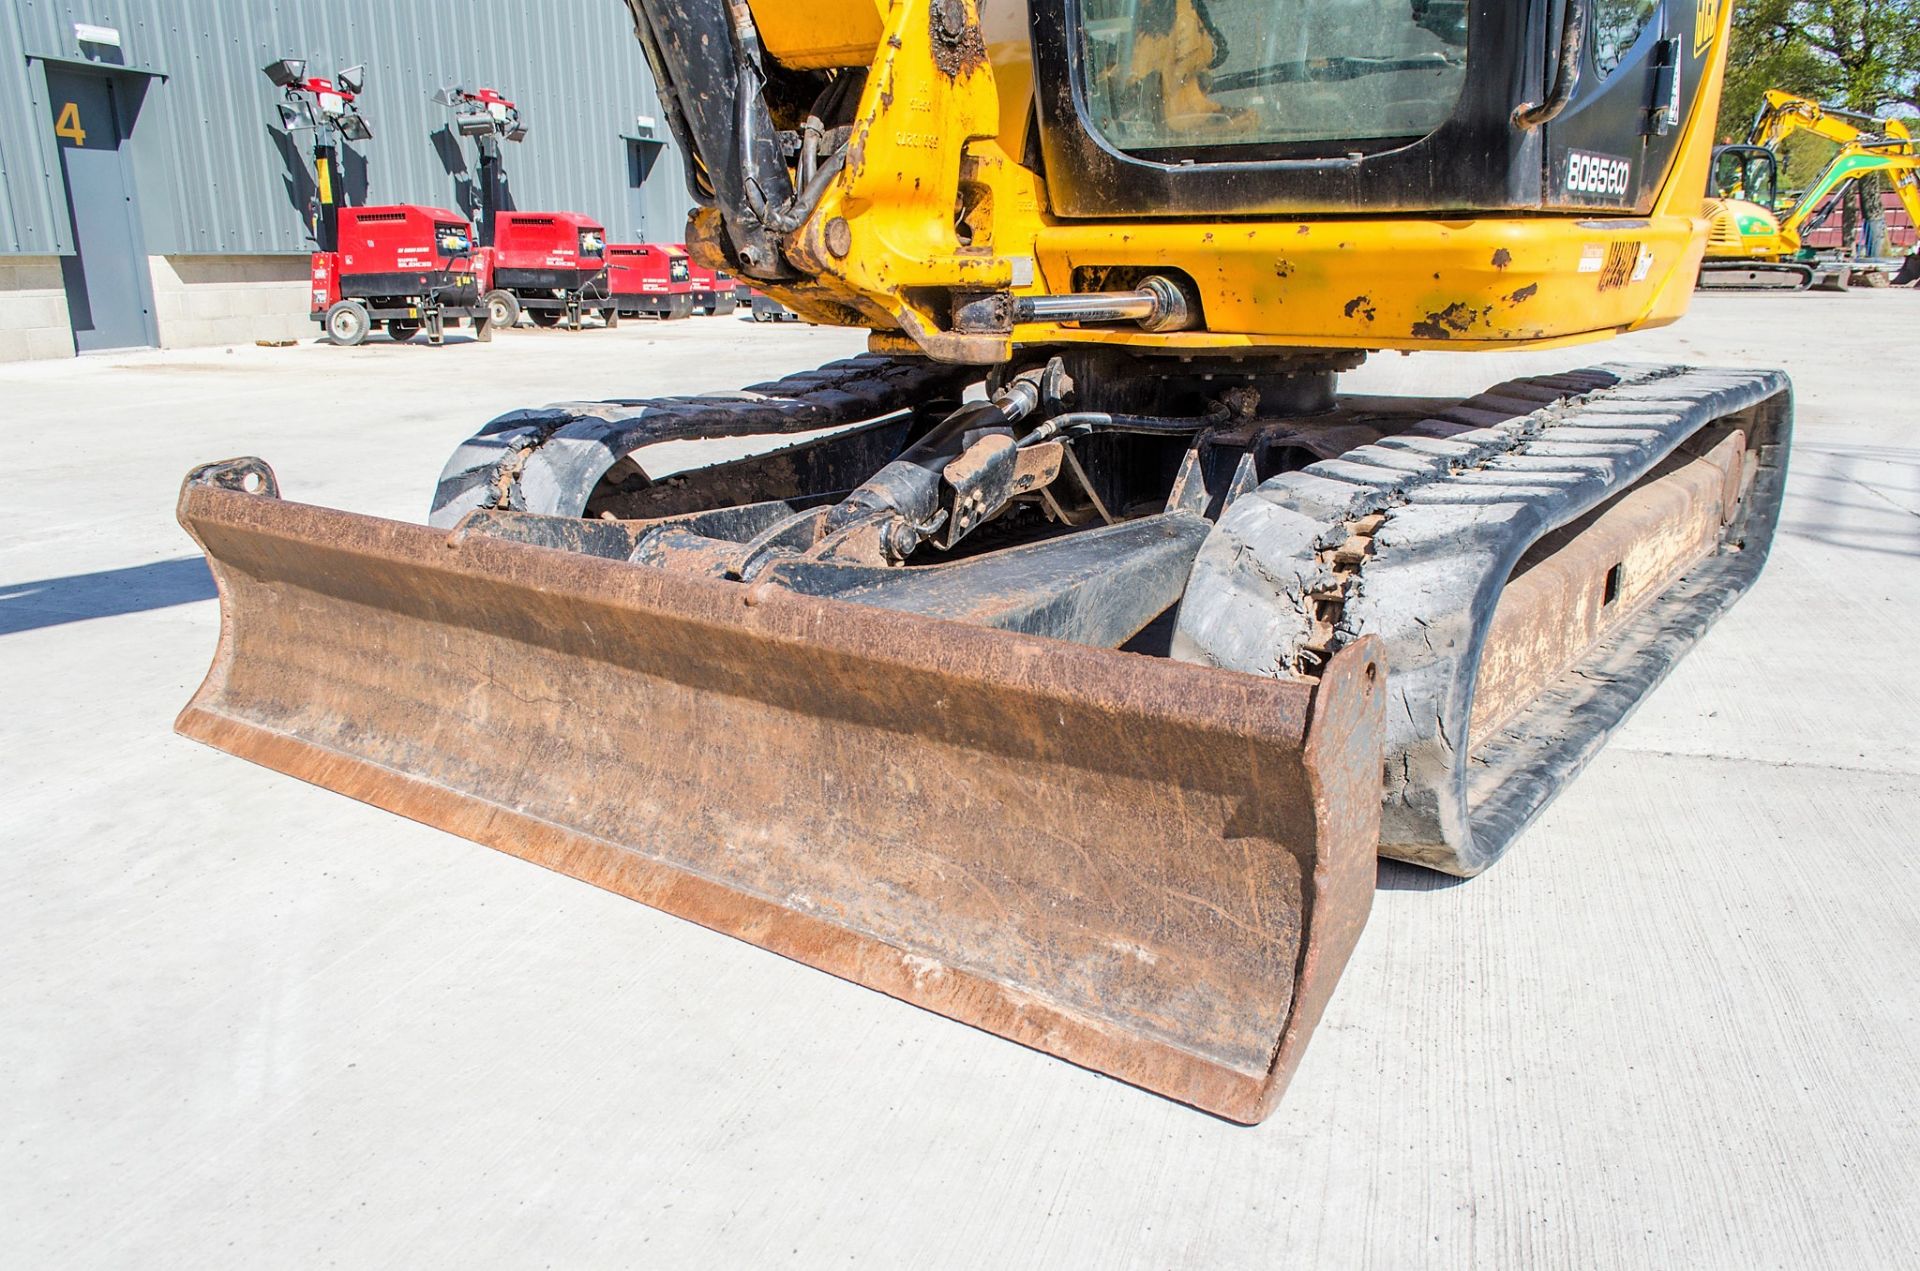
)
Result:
{"points": [[1061, 663], [1753, 241]]}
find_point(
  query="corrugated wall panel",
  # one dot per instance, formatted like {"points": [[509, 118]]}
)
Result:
{"points": [[33, 201], [217, 175]]}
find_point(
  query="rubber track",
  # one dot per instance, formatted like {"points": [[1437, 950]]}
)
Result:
{"points": [[551, 458], [1461, 497]]}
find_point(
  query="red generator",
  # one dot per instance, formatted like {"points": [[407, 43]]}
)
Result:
{"points": [[712, 289], [651, 278], [547, 264], [405, 268]]}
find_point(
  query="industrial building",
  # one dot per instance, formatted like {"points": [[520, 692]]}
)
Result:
{"points": [[151, 194]]}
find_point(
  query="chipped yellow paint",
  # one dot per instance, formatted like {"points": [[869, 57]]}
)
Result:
{"points": [[928, 141], [901, 183], [1386, 284]]}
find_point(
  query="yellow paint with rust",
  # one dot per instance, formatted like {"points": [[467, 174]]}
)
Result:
{"points": [[1390, 284], [820, 33], [936, 133], [918, 116]]}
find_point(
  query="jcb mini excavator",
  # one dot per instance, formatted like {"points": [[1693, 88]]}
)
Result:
{"points": [[1750, 241], [1060, 663]]}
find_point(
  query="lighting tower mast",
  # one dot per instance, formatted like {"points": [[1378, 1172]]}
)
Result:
{"points": [[489, 118], [327, 107]]}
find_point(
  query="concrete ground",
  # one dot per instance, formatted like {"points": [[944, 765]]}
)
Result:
{"points": [[246, 1022]]}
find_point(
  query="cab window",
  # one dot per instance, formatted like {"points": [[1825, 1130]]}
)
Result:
{"points": [[1745, 174], [1617, 24], [1172, 75]]}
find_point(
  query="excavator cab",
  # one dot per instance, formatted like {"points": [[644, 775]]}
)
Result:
{"points": [[932, 170], [1168, 108], [1749, 174], [1744, 244], [1061, 663]]}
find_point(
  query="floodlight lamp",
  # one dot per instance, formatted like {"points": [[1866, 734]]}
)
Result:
{"points": [[518, 132], [473, 124], [353, 78], [292, 117], [286, 72], [354, 127]]}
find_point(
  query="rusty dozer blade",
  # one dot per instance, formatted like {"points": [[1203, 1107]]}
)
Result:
{"points": [[1151, 869]]}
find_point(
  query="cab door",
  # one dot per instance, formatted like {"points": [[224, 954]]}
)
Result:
{"points": [[1639, 75]]}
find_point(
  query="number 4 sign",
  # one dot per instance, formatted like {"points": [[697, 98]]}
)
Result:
{"points": [[68, 124]]}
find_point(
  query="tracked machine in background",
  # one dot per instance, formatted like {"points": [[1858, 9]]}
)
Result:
{"points": [[1061, 663], [1756, 242]]}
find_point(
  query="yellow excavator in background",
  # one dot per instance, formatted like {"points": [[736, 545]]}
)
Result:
{"points": [[1753, 240], [1061, 663]]}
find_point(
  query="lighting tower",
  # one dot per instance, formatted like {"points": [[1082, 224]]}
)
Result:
{"points": [[327, 107], [489, 118]]}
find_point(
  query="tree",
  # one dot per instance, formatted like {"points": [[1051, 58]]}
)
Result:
{"points": [[1768, 52], [1860, 54]]}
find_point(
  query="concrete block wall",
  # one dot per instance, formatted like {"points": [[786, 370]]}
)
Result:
{"points": [[198, 301], [33, 309], [204, 300]]}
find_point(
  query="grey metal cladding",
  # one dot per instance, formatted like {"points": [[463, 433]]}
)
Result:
{"points": [[208, 152], [33, 204]]}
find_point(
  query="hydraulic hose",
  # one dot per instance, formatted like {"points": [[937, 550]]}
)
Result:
{"points": [[1081, 423]]}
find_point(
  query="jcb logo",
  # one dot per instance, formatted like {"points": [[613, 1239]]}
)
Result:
{"points": [[1706, 24]]}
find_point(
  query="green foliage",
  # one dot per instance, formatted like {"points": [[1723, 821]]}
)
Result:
{"points": [[1803, 157], [1861, 54]]}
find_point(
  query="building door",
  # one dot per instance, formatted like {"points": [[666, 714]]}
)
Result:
{"points": [[642, 153], [109, 291]]}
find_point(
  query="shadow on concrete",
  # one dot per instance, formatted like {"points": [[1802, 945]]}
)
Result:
{"points": [[1399, 876], [50, 602], [1867, 498]]}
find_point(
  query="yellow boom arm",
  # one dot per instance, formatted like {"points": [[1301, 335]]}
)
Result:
{"points": [[1883, 145]]}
